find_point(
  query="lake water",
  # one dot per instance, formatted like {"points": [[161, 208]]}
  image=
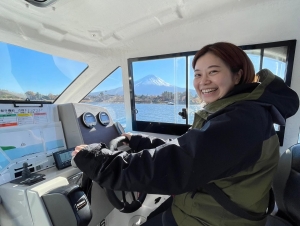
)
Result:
{"points": [[150, 112]]}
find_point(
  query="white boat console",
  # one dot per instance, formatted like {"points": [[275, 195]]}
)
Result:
{"points": [[41, 138]]}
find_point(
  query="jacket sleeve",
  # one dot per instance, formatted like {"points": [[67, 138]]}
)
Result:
{"points": [[139, 142], [225, 145]]}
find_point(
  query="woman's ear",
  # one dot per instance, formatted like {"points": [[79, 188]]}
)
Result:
{"points": [[238, 76], [256, 78]]}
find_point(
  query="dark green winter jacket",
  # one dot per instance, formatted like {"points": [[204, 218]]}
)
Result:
{"points": [[245, 151]]}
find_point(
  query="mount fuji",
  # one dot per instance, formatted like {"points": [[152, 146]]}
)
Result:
{"points": [[148, 85]]}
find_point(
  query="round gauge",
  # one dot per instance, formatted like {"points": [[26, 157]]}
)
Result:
{"points": [[89, 120], [104, 118]]}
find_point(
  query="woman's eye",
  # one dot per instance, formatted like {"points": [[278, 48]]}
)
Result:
{"points": [[197, 75], [212, 72]]}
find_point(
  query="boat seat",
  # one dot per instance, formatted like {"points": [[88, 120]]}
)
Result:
{"points": [[286, 188]]}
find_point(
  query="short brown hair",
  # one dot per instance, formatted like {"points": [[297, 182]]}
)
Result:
{"points": [[233, 56]]}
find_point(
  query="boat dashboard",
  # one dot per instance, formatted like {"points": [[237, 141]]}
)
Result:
{"points": [[36, 141]]}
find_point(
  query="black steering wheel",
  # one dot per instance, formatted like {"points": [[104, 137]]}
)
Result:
{"points": [[122, 205]]}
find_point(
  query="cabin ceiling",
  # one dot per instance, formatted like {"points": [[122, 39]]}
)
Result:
{"points": [[84, 29]]}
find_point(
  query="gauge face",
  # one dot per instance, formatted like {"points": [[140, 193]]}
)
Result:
{"points": [[89, 120], [104, 118]]}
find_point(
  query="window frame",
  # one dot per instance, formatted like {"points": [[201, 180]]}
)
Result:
{"points": [[156, 127], [179, 129]]}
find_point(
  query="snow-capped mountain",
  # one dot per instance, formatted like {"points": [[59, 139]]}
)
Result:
{"points": [[151, 80], [153, 85], [148, 85]]}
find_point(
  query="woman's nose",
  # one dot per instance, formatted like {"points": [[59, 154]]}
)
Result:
{"points": [[204, 80]]}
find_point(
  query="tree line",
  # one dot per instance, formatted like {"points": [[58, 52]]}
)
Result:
{"points": [[165, 97], [8, 95]]}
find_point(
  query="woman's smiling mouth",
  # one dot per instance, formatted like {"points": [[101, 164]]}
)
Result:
{"points": [[205, 91]]}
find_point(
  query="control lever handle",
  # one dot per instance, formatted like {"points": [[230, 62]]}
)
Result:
{"points": [[183, 113]]}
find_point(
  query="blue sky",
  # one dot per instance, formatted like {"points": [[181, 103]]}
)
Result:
{"points": [[166, 69], [23, 70]]}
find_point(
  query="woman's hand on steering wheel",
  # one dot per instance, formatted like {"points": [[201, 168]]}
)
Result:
{"points": [[128, 136], [78, 149]]}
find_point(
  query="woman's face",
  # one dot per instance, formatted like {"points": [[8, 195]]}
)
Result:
{"points": [[213, 78]]}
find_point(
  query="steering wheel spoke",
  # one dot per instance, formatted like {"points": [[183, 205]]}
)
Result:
{"points": [[122, 205], [124, 196], [133, 196]]}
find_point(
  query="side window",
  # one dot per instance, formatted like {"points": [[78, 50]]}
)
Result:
{"points": [[278, 57], [275, 59], [160, 89], [110, 95]]}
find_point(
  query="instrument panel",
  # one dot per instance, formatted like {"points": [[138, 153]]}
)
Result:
{"points": [[90, 121], [86, 124]]}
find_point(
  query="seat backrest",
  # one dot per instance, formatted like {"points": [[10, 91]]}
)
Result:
{"points": [[286, 185]]}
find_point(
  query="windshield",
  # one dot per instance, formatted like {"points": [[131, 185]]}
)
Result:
{"points": [[30, 75]]}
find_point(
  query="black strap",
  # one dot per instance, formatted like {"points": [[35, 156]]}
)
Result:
{"points": [[282, 174], [233, 208], [86, 186]]}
